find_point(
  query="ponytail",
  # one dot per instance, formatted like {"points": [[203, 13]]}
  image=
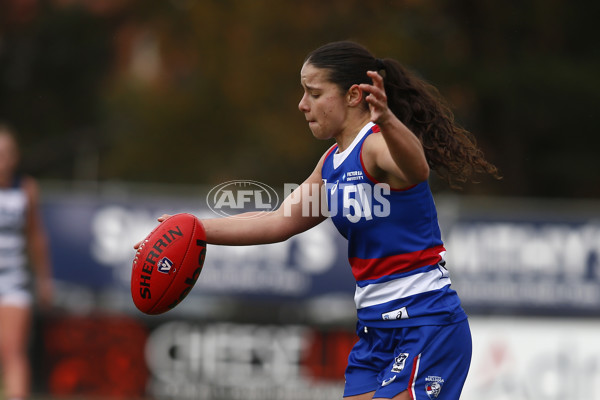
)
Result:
{"points": [[451, 151]]}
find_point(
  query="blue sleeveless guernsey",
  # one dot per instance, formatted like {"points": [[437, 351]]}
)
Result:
{"points": [[394, 244]]}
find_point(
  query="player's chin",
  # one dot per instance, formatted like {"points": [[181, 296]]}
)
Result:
{"points": [[317, 133]]}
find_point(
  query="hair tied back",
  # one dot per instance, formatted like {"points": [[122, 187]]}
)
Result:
{"points": [[380, 66]]}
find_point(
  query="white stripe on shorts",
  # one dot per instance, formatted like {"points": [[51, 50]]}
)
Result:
{"points": [[413, 394]]}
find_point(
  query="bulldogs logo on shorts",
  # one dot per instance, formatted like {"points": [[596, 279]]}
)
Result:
{"points": [[433, 386]]}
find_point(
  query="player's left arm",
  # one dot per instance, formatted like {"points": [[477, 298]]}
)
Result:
{"points": [[37, 244], [396, 155]]}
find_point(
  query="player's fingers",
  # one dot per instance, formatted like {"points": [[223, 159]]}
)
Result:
{"points": [[137, 245], [376, 78], [374, 91], [377, 99], [163, 217]]}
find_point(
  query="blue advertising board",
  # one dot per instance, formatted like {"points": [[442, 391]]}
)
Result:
{"points": [[521, 260]]}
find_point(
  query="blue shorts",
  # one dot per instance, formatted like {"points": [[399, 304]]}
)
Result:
{"points": [[431, 362]]}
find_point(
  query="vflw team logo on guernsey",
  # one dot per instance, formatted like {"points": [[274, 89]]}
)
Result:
{"points": [[164, 265], [433, 386]]}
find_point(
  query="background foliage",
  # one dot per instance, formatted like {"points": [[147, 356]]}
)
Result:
{"points": [[197, 92]]}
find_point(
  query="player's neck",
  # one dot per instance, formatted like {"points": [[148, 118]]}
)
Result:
{"points": [[347, 136]]}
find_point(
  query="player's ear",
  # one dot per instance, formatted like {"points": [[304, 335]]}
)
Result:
{"points": [[354, 96]]}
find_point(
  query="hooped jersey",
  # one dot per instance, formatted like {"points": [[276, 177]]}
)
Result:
{"points": [[13, 206], [394, 244]]}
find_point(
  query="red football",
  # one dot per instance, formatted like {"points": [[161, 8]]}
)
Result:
{"points": [[168, 263]]}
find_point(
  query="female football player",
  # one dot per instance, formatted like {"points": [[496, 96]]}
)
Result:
{"points": [[22, 232], [390, 128]]}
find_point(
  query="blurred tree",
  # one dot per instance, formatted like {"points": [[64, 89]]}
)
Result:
{"points": [[535, 75], [52, 66], [202, 92]]}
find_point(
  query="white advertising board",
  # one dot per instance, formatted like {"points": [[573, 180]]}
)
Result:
{"points": [[533, 359]]}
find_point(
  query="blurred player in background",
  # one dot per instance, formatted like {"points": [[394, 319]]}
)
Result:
{"points": [[390, 128], [21, 234]]}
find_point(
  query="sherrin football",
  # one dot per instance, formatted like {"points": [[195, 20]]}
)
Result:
{"points": [[168, 263]]}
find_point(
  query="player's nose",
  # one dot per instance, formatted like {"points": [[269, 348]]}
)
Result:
{"points": [[303, 104]]}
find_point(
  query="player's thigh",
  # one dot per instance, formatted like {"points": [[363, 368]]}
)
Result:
{"points": [[364, 396], [14, 328], [368, 396]]}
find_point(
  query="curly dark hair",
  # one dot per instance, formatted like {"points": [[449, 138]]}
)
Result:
{"points": [[451, 150]]}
